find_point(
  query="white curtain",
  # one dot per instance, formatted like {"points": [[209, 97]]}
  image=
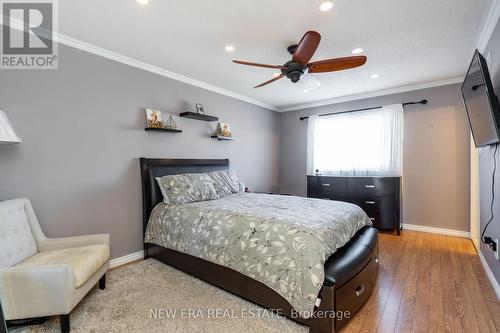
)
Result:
{"points": [[358, 143]]}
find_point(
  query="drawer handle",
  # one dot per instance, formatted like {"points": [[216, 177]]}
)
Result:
{"points": [[326, 185], [360, 290], [370, 186], [370, 202]]}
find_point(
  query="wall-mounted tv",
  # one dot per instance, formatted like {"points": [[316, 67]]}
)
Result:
{"points": [[481, 103]]}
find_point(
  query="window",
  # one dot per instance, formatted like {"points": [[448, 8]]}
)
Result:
{"points": [[358, 143]]}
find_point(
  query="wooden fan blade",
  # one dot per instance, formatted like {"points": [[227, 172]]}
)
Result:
{"points": [[270, 81], [337, 64], [306, 47], [256, 64]]}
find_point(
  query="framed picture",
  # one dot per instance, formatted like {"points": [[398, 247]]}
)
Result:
{"points": [[153, 118], [223, 129], [200, 109]]}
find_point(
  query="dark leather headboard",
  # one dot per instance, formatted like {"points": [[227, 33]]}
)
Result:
{"points": [[157, 167]]}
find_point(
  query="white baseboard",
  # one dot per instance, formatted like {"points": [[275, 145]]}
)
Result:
{"points": [[434, 230], [126, 259], [476, 243], [490, 275]]}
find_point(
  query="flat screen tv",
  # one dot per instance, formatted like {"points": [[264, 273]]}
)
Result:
{"points": [[481, 103]]}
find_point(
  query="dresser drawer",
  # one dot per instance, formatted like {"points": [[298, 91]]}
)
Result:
{"points": [[374, 203], [318, 184], [371, 185], [331, 196], [383, 220]]}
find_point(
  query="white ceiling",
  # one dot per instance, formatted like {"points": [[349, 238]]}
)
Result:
{"points": [[406, 41]]}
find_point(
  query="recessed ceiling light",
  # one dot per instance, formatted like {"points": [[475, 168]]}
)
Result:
{"points": [[326, 6], [142, 2], [276, 74], [374, 76], [357, 50], [229, 48]]}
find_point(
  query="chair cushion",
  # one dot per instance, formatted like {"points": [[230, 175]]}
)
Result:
{"points": [[84, 260], [16, 240]]}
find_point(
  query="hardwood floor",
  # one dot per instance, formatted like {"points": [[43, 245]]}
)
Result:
{"points": [[428, 283]]}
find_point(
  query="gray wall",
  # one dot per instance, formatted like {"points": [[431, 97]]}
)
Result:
{"points": [[436, 155], [83, 131], [486, 165]]}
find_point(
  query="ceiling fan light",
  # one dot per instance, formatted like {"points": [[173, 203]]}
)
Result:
{"points": [[326, 6], [309, 83]]}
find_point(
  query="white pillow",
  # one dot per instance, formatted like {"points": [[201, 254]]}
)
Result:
{"points": [[162, 189]]}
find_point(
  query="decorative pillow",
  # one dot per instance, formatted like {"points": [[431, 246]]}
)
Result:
{"points": [[162, 189], [190, 187], [225, 182]]}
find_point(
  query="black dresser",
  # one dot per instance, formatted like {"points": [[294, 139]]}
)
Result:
{"points": [[379, 197]]}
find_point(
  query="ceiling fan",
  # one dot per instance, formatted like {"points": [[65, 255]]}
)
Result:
{"points": [[302, 53]]}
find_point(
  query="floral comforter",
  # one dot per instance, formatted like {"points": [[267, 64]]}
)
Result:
{"points": [[281, 241]]}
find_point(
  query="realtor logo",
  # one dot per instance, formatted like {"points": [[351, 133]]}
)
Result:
{"points": [[27, 34]]}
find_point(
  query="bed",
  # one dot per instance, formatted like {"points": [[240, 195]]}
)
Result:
{"points": [[349, 273]]}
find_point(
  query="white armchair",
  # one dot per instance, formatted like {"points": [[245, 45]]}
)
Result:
{"points": [[42, 276]]}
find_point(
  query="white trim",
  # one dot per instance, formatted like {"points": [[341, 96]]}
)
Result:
{"points": [[476, 243], [475, 225], [486, 32], [489, 25], [87, 47], [377, 93], [434, 230], [62, 39], [489, 274], [126, 259]]}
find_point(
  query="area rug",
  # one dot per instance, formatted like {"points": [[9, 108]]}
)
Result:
{"points": [[150, 296]]}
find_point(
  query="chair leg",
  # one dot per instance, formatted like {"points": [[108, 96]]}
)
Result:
{"points": [[64, 321], [102, 282]]}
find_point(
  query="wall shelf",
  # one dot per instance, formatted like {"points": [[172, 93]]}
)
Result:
{"points": [[198, 116], [163, 130], [222, 138]]}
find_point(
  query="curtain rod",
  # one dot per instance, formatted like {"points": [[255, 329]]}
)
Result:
{"points": [[424, 101]]}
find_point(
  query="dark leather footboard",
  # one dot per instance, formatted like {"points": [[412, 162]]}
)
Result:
{"points": [[352, 272]]}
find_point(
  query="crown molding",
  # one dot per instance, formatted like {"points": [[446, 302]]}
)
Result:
{"points": [[87, 47], [485, 35], [90, 48], [489, 25], [371, 94]]}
